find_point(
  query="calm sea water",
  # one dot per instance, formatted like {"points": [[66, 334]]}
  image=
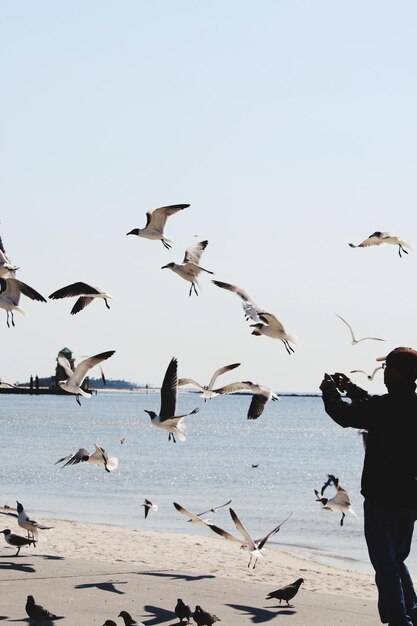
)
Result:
{"points": [[294, 443]]}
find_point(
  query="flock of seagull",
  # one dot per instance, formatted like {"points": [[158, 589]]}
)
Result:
{"points": [[263, 323]]}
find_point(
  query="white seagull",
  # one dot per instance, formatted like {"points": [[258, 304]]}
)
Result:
{"points": [[354, 340], [254, 546], [10, 292], [155, 223], [271, 326], [76, 377], [368, 376], [190, 268], [208, 389], [149, 506], [167, 420], [340, 502], [261, 395], [30, 525], [99, 457], [86, 292], [378, 237], [194, 519], [7, 270]]}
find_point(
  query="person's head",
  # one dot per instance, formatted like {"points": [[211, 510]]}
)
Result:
{"points": [[400, 367]]}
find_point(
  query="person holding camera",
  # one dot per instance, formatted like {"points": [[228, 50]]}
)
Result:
{"points": [[389, 476]]}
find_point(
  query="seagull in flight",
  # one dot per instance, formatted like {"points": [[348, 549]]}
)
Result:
{"points": [[190, 268], [149, 506], [208, 389], [265, 323], [99, 457], [86, 292], [354, 340], [254, 546], [10, 292], [194, 519], [167, 420], [76, 377], [378, 237], [368, 376], [261, 395], [155, 223], [340, 502], [7, 270]]}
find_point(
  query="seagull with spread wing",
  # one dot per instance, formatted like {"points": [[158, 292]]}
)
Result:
{"points": [[76, 377], [378, 237], [340, 501], [7, 270], [10, 291], [354, 340], [155, 223], [190, 269], [261, 395], [167, 418], [266, 324], [254, 546], [98, 457], [368, 376], [86, 292], [208, 389]]}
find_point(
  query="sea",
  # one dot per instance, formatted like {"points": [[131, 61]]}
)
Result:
{"points": [[268, 467]]}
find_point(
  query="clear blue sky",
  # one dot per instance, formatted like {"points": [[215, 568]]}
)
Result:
{"points": [[290, 128]]}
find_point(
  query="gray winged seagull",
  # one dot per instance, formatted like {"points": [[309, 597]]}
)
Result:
{"points": [[340, 501], [354, 340], [368, 376], [167, 419], [98, 457], [17, 541], [7, 270], [76, 377], [149, 506], [254, 546], [261, 395], [190, 269], [266, 324], [194, 519], [208, 389], [378, 237], [10, 292], [86, 292], [155, 223]]}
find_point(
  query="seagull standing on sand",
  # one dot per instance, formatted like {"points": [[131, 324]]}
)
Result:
{"points": [[340, 502], [149, 506], [167, 420], [76, 377], [99, 457], [261, 395], [190, 269], [378, 237], [286, 593], [37, 612], [368, 376], [17, 541], [265, 323], [86, 292], [253, 545], [208, 390], [30, 525], [354, 340], [10, 292], [155, 223]]}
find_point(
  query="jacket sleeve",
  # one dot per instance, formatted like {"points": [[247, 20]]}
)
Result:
{"points": [[355, 413]]}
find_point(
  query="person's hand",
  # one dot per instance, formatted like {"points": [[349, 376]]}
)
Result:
{"points": [[342, 382], [327, 384]]}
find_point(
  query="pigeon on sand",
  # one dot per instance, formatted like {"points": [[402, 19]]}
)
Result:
{"points": [[38, 612], [203, 618], [182, 611], [286, 593]]}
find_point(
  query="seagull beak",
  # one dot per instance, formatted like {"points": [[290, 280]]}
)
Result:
{"points": [[164, 267]]}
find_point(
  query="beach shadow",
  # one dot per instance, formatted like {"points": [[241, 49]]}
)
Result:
{"points": [[160, 615], [258, 615], [48, 622], [187, 577], [50, 557], [11, 565], [2, 617], [108, 586]]}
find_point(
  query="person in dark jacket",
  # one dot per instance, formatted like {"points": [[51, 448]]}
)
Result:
{"points": [[389, 477]]}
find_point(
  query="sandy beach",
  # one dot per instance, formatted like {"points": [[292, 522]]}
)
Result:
{"points": [[88, 573]]}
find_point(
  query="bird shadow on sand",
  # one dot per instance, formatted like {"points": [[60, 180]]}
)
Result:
{"points": [[46, 622], [175, 576], [259, 615], [18, 567], [51, 557], [107, 586], [160, 615], [3, 617]]}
